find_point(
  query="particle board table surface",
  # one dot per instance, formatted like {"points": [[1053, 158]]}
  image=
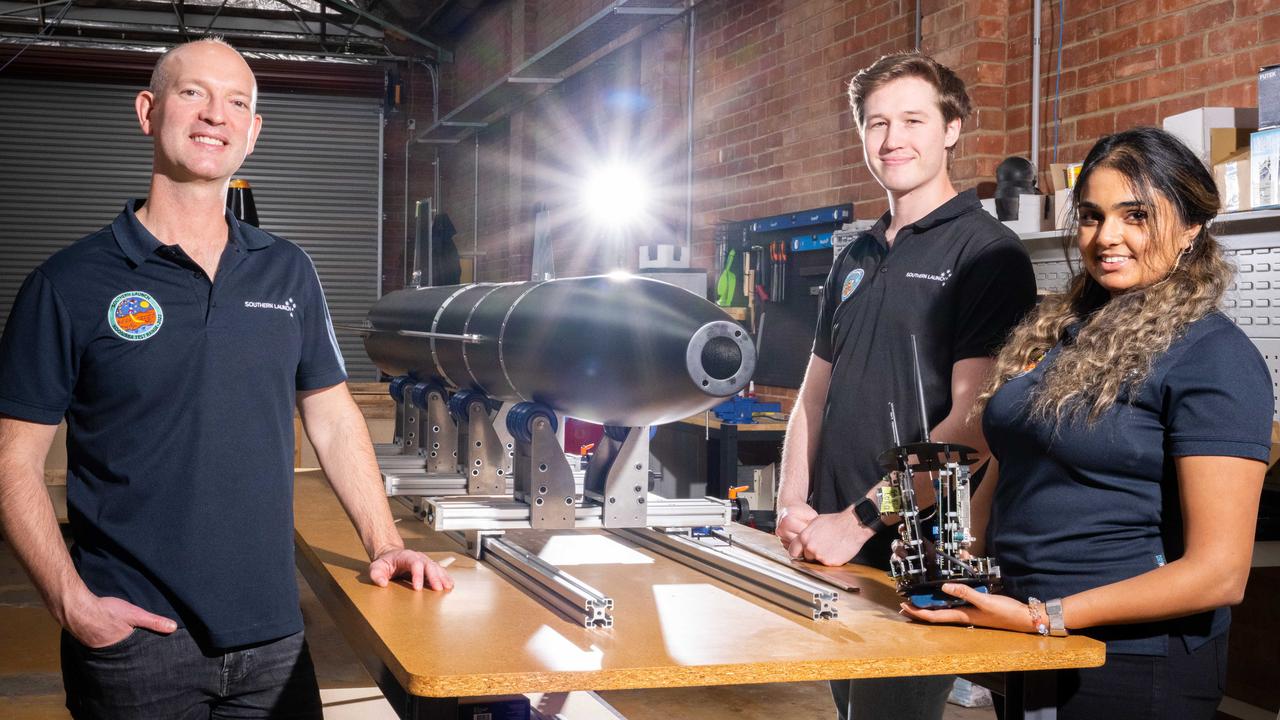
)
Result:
{"points": [[674, 626]]}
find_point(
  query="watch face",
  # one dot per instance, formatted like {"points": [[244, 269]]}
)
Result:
{"points": [[866, 511]]}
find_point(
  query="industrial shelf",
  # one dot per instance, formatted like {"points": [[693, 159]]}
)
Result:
{"points": [[546, 68]]}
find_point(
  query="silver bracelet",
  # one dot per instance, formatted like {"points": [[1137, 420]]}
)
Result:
{"points": [[1057, 627], [1035, 607]]}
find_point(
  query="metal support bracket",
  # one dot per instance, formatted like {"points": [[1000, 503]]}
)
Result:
{"points": [[411, 440], [482, 453], [543, 479], [440, 444], [618, 478]]}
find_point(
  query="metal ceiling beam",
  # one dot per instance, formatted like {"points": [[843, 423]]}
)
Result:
{"points": [[442, 54]]}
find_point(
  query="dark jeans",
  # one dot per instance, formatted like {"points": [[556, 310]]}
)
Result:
{"points": [[151, 676], [1179, 686]]}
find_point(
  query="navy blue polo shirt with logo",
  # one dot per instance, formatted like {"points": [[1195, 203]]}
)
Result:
{"points": [[958, 280], [1083, 505], [178, 394]]}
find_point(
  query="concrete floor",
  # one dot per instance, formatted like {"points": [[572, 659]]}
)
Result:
{"points": [[31, 685]]}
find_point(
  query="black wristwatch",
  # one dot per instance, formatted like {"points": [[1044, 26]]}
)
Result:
{"points": [[868, 514]]}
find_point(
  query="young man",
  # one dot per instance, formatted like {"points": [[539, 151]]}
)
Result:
{"points": [[176, 343], [937, 267]]}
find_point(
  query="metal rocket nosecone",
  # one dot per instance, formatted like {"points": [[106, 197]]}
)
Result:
{"points": [[615, 349]]}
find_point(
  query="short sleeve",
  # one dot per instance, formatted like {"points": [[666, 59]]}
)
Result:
{"points": [[995, 290], [321, 363], [826, 312], [38, 358], [1218, 399]]}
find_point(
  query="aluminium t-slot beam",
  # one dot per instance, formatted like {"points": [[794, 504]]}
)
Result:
{"points": [[444, 514], [553, 586], [763, 580]]}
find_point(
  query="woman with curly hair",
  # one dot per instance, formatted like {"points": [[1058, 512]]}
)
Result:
{"points": [[1131, 422]]}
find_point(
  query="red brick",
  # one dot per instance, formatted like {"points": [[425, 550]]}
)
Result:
{"points": [[1118, 43], [1086, 28], [1136, 11], [1137, 116], [1162, 29], [1211, 16], [1167, 6], [1137, 63], [1243, 94], [1096, 126], [1232, 37], [1182, 103]]}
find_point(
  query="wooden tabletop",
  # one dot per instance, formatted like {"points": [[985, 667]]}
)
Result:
{"points": [[674, 627]]}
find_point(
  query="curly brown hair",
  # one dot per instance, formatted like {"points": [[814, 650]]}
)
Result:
{"points": [[1120, 337]]}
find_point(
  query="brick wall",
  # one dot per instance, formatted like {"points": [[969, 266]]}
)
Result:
{"points": [[1134, 63], [772, 127]]}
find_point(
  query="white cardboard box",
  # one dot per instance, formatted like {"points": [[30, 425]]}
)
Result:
{"points": [[1030, 213], [1194, 127]]}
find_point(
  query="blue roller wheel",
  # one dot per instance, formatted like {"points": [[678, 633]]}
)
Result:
{"points": [[462, 401], [521, 418], [418, 394], [397, 387]]}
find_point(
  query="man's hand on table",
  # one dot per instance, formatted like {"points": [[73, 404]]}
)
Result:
{"points": [[831, 539], [792, 520], [421, 570]]}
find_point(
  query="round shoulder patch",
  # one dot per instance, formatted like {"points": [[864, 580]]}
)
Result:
{"points": [[135, 315], [851, 283]]}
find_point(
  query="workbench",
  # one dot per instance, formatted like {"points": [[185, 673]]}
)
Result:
{"points": [[674, 626]]}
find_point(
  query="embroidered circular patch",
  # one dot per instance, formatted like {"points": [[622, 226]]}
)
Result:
{"points": [[851, 283], [135, 315]]}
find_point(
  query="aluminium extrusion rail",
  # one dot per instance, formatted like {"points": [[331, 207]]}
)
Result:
{"points": [[445, 514], [763, 580], [552, 585]]}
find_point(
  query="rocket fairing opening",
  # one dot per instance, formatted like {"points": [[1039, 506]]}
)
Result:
{"points": [[627, 351]]}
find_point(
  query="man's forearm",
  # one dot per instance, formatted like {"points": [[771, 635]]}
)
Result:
{"points": [[30, 524], [341, 439]]}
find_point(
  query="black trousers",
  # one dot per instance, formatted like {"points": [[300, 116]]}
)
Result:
{"points": [[1179, 686]]}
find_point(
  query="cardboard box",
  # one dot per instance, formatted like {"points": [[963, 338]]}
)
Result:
{"points": [[1269, 97], [1225, 142], [1232, 178], [1062, 176], [1030, 213], [1194, 127], [1264, 164]]}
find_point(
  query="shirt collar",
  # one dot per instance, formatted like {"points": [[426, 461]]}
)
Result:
{"points": [[139, 245], [962, 203]]}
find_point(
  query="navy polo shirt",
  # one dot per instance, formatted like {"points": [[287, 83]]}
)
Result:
{"points": [[178, 394], [1080, 506], [957, 279]]}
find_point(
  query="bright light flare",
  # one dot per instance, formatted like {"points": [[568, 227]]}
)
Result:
{"points": [[615, 195]]}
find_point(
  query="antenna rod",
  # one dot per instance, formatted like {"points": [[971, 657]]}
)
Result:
{"points": [[924, 415], [893, 423]]}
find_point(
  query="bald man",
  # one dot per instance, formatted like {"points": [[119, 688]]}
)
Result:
{"points": [[176, 343]]}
